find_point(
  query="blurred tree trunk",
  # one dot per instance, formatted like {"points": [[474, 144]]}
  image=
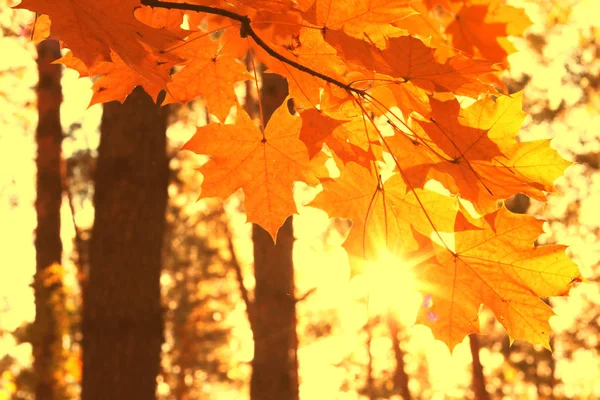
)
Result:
{"points": [[519, 204], [122, 321], [552, 377], [370, 387], [478, 377], [184, 339], [275, 363], [47, 345], [400, 375]]}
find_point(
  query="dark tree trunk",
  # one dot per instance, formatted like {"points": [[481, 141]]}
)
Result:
{"points": [[122, 321], [400, 375], [275, 364], [478, 377], [47, 345]]}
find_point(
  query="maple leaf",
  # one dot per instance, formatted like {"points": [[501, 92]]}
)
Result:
{"points": [[455, 150], [474, 153], [358, 19], [404, 95], [210, 73], [263, 166], [309, 50], [40, 28], [497, 266], [407, 71], [382, 213], [117, 80], [423, 26], [92, 28], [74, 63], [481, 29], [350, 140], [410, 59]]}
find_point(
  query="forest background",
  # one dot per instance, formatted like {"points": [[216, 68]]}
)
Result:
{"points": [[344, 345]]}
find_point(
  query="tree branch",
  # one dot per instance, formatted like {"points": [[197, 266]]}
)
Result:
{"points": [[305, 295], [240, 278], [246, 30]]}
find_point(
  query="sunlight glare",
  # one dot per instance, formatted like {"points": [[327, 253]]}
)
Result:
{"points": [[392, 287]]}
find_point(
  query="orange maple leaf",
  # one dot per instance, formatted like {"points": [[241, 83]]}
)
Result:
{"points": [[70, 61], [407, 71], [475, 154], [117, 80], [210, 73], [263, 166], [350, 140], [358, 19], [412, 60], [40, 28], [93, 28], [480, 28], [497, 266], [383, 213], [310, 50], [423, 26]]}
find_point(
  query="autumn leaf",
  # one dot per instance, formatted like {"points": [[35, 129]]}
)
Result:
{"points": [[456, 140], [263, 166], [410, 59], [371, 18], [404, 95], [350, 140], [40, 28], [423, 26], [210, 73], [309, 49], [475, 154], [382, 213], [407, 71], [93, 28], [117, 80], [497, 266], [74, 63], [481, 29]]}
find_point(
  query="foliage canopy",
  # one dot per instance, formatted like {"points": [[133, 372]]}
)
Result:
{"points": [[407, 86]]}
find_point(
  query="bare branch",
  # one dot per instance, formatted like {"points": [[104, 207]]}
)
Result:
{"points": [[240, 277]]}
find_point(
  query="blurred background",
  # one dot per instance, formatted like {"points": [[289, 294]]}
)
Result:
{"points": [[348, 335]]}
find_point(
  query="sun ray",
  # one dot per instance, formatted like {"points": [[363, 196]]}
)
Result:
{"points": [[392, 288]]}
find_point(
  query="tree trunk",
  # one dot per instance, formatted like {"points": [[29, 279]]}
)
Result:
{"points": [[478, 376], [370, 387], [400, 375], [552, 378], [122, 320], [275, 364], [47, 345]]}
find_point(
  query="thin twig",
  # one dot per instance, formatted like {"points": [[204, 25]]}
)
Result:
{"points": [[81, 262], [240, 278], [305, 295]]}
